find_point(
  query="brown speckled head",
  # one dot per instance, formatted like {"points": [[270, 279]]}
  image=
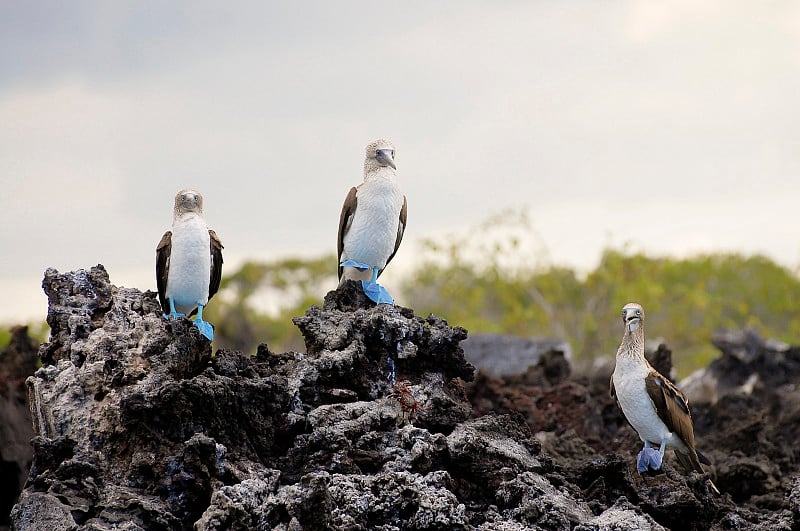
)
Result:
{"points": [[188, 200], [632, 316], [379, 154]]}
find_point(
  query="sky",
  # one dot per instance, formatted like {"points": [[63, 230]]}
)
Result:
{"points": [[670, 126]]}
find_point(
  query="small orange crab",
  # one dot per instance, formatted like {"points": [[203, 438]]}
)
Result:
{"points": [[410, 406]]}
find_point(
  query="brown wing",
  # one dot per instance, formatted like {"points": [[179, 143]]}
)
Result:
{"points": [[216, 264], [345, 221], [671, 406], [673, 409], [163, 251], [401, 227]]}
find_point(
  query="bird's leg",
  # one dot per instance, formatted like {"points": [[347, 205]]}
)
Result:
{"points": [[204, 326], [173, 314], [377, 293], [661, 450], [650, 457], [641, 459]]}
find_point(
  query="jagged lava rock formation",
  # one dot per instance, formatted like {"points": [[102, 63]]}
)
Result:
{"points": [[747, 421], [138, 426]]}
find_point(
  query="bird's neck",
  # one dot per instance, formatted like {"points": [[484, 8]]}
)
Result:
{"points": [[632, 346], [183, 217], [380, 173]]}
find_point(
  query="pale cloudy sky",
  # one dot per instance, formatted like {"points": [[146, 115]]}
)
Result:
{"points": [[673, 126]]}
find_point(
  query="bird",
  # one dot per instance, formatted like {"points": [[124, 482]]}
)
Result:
{"points": [[653, 406], [188, 262], [372, 222]]}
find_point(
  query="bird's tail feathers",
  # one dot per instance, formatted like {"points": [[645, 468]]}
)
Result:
{"points": [[703, 459], [691, 462]]}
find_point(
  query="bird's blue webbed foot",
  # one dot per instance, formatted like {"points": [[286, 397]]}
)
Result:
{"points": [[361, 266], [376, 293], [173, 313], [650, 458], [206, 328]]}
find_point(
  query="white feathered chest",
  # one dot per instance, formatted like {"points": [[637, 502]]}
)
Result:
{"points": [[373, 233], [629, 385], [189, 263]]}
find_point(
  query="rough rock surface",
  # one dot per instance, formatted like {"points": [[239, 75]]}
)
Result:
{"points": [[748, 363], [748, 431], [504, 355], [138, 425]]}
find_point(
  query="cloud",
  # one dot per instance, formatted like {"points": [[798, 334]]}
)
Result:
{"points": [[578, 110]]}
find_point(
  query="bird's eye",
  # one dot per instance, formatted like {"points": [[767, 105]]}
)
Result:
{"points": [[392, 153], [377, 152], [638, 312]]}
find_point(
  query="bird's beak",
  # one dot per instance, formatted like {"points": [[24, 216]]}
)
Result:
{"points": [[385, 158], [631, 321]]}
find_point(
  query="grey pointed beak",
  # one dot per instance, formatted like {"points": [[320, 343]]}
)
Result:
{"points": [[384, 157], [631, 320]]}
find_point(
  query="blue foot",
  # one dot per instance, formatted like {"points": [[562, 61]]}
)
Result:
{"points": [[648, 458], [361, 266], [376, 292], [173, 313], [206, 328]]}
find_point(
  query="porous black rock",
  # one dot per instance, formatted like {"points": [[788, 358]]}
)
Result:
{"points": [[747, 363], [138, 425]]}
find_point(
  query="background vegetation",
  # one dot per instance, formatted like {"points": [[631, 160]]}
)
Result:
{"points": [[38, 331], [499, 279]]}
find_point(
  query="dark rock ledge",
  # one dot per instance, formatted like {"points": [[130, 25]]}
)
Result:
{"points": [[139, 426]]}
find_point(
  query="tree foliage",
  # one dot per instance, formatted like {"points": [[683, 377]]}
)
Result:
{"points": [[256, 303], [499, 278], [485, 287], [37, 330]]}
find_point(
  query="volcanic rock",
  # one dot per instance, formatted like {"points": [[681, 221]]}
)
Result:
{"points": [[139, 425]]}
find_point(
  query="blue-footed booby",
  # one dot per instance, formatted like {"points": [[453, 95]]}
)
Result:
{"points": [[372, 222], [653, 406], [188, 262]]}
